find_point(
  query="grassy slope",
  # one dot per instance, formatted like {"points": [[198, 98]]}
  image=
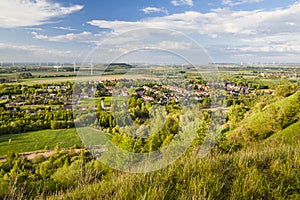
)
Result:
{"points": [[266, 169], [290, 135], [37, 140], [261, 125], [269, 172]]}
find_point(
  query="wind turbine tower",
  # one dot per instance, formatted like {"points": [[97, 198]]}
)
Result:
{"points": [[92, 70], [74, 66]]}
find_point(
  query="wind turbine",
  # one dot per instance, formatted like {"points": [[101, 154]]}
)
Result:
{"points": [[74, 63], [56, 66], [92, 66]]}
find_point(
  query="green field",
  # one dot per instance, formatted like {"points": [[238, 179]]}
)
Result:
{"points": [[89, 102], [37, 140], [3, 101], [96, 101], [92, 137]]}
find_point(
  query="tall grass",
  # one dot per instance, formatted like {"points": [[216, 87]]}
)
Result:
{"points": [[269, 172]]}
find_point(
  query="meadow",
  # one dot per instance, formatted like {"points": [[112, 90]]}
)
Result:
{"points": [[267, 170], [38, 140]]}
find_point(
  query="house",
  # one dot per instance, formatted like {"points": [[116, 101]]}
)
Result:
{"points": [[69, 103], [147, 88], [64, 87], [85, 95], [84, 107], [4, 97], [148, 98], [68, 107]]}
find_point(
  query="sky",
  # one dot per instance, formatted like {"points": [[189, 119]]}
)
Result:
{"points": [[227, 31]]}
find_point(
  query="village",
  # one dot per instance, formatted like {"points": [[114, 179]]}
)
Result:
{"points": [[29, 99]]}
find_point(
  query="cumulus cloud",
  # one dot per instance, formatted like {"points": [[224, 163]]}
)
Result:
{"points": [[24, 13], [274, 31], [149, 10], [218, 22], [182, 2]]}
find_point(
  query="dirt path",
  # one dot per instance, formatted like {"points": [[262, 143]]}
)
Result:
{"points": [[46, 153]]}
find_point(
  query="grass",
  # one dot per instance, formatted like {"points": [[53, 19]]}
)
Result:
{"points": [[92, 136], [270, 173], [79, 78], [290, 135], [3, 101], [90, 102], [269, 121], [267, 169], [107, 101], [36, 107], [37, 140], [8, 75]]}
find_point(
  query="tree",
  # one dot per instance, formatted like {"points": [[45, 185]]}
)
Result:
{"points": [[235, 115]]}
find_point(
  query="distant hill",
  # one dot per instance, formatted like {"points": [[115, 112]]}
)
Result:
{"points": [[116, 67], [120, 65]]}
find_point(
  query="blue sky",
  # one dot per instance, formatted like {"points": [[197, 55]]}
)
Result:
{"points": [[228, 30]]}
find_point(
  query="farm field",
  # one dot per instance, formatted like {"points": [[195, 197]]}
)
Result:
{"points": [[33, 81], [37, 140], [90, 102], [96, 101]]}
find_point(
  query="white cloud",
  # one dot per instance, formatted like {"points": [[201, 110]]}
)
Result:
{"points": [[284, 42], [64, 28], [149, 10], [274, 31], [217, 23], [39, 36], [23, 13], [173, 45], [182, 2], [31, 53], [239, 2], [81, 37]]}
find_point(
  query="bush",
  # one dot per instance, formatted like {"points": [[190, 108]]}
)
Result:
{"points": [[38, 159]]}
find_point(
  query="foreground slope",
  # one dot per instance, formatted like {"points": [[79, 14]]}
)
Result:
{"points": [[262, 171], [266, 166], [270, 120]]}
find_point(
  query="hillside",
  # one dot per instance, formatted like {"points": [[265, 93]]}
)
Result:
{"points": [[271, 120], [261, 171], [290, 135], [268, 167]]}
